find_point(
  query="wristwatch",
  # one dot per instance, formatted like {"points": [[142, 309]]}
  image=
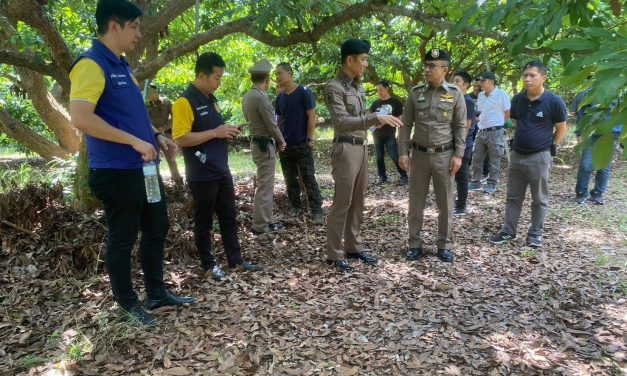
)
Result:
{"points": [[157, 134]]}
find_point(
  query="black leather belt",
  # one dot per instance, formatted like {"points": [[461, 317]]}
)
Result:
{"points": [[435, 149], [268, 140], [491, 129], [350, 140]]}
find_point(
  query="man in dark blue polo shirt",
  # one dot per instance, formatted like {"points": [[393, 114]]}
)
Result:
{"points": [[296, 112], [385, 137], [199, 129], [106, 103], [539, 118], [463, 80]]}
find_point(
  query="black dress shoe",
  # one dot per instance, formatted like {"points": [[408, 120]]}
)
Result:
{"points": [[137, 314], [363, 256], [169, 299], [414, 254], [341, 265], [446, 255]]}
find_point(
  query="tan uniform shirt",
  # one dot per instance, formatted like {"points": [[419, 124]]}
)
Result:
{"points": [[160, 113], [259, 112], [345, 100], [438, 116]]}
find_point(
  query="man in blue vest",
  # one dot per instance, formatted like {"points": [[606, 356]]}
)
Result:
{"points": [[107, 105], [199, 129]]}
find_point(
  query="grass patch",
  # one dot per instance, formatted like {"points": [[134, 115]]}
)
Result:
{"points": [[388, 219], [530, 253]]}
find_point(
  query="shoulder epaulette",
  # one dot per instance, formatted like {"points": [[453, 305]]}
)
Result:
{"points": [[418, 87]]}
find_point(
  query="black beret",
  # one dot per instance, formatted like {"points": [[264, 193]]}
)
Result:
{"points": [[437, 54], [355, 47]]}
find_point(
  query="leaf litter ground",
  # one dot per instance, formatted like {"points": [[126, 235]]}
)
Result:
{"points": [[497, 310]]}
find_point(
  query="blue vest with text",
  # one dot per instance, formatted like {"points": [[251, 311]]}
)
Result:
{"points": [[122, 106]]}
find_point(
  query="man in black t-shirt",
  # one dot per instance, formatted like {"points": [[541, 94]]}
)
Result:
{"points": [[539, 118], [385, 137]]}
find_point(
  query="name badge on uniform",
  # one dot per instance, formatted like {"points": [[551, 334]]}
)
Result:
{"points": [[421, 99]]}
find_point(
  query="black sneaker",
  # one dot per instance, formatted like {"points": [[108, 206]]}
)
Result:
{"points": [[137, 314], [501, 238], [381, 181], [217, 273], [318, 218], [271, 227], [598, 200], [341, 265], [276, 226], [404, 180], [581, 198], [459, 211], [534, 241]]}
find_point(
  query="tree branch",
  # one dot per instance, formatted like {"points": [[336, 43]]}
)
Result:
{"points": [[31, 13], [246, 26], [436, 22], [21, 133], [19, 59]]}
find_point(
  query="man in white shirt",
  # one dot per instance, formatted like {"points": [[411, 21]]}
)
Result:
{"points": [[493, 105]]}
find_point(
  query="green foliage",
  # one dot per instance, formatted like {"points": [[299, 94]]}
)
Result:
{"points": [[22, 109], [58, 171], [589, 41]]}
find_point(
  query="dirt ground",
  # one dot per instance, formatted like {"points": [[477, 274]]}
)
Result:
{"points": [[497, 310]]}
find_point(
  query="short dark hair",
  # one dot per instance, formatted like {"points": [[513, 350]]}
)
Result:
{"points": [[465, 76], [120, 11], [286, 67], [385, 83], [344, 57], [206, 61], [259, 78], [536, 64]]}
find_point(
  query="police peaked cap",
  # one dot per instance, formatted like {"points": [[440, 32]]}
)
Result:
{"points": [[355, 47], [437, 54]]}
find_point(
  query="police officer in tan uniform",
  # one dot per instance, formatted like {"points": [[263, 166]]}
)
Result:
{"points": [[436, 112], [266, 139], [160, 112], [349, 155]]}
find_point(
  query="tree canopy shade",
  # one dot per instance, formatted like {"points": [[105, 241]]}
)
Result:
{"points": [[39, 39]]}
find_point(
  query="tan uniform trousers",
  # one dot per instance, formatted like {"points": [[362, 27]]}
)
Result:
{"points": [[423, 167], [350, 173], [264, 193]]}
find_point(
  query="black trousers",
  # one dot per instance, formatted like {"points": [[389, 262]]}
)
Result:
{"points": [[295, 159], [127, 212], [462, 178], [217, 196]]}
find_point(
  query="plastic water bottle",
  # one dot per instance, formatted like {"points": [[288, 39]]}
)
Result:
{"points": [[151, 180]]}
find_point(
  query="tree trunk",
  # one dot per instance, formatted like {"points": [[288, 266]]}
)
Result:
{"points": [[84, 199], [51, 112], [29, 138]]}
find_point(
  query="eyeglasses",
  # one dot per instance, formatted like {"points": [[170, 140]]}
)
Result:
{"points": [[433, 65]]}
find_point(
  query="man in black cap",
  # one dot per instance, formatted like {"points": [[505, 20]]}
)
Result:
{"points": [[437, 112], [344, 97]]}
